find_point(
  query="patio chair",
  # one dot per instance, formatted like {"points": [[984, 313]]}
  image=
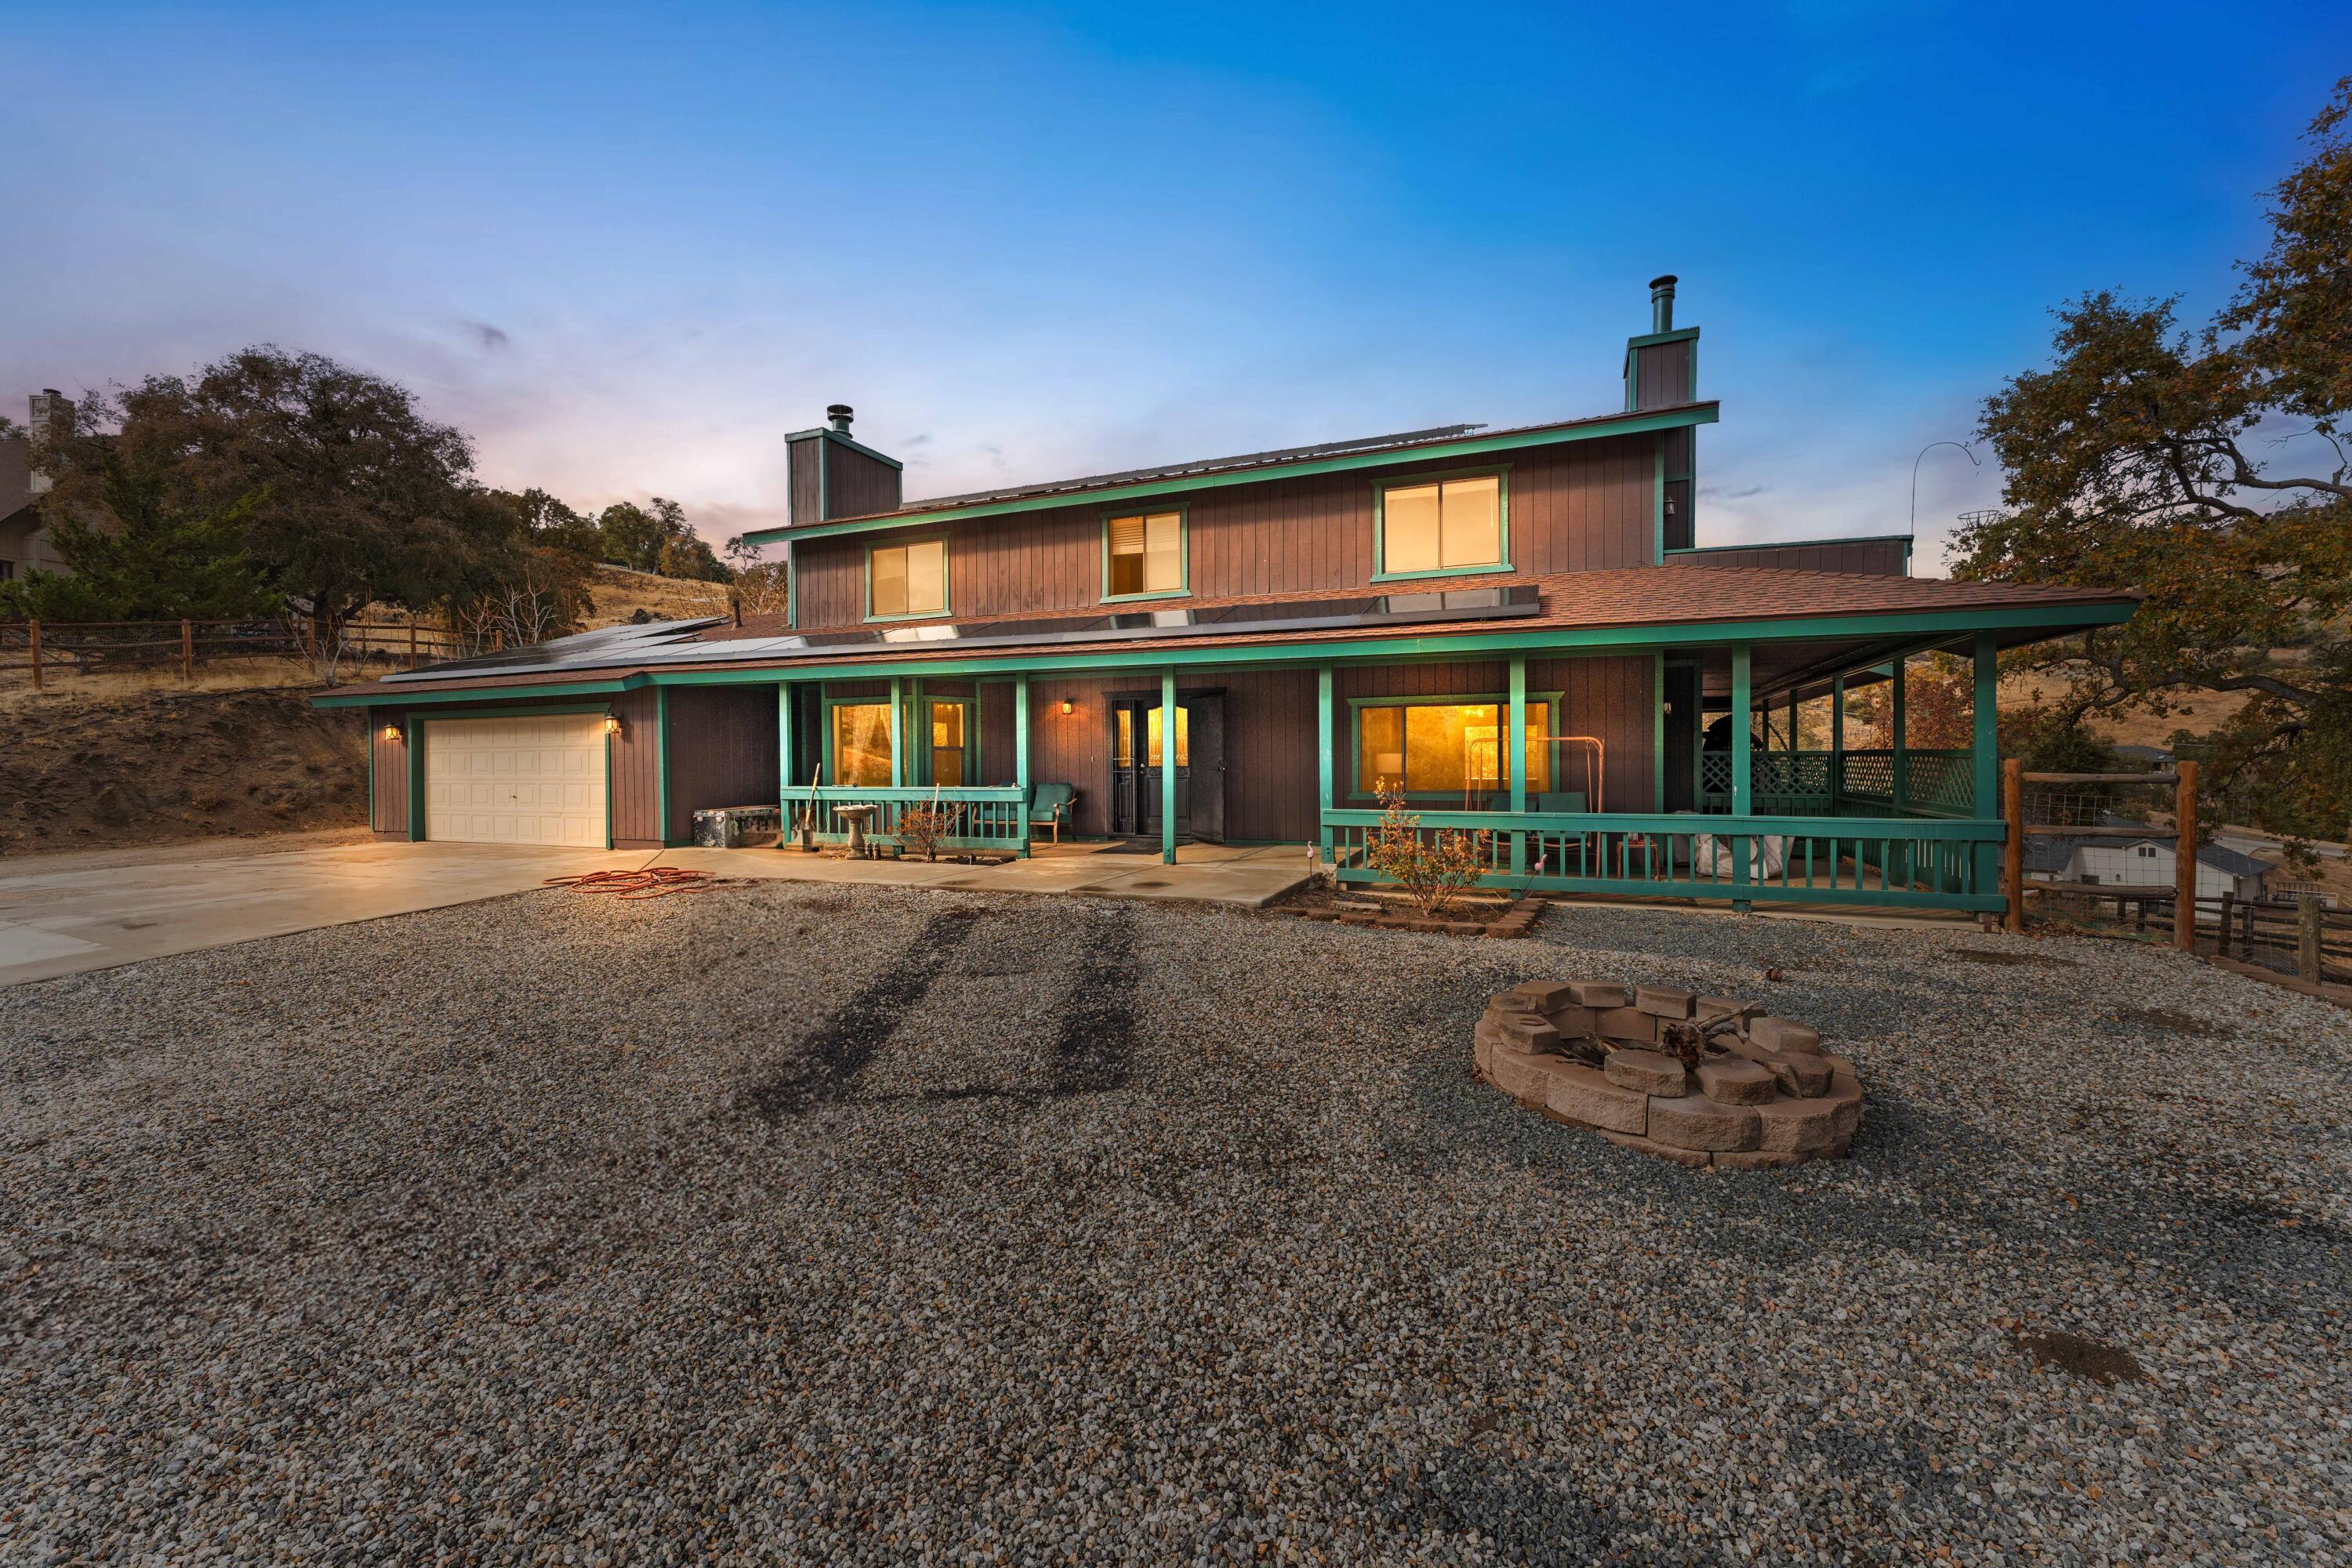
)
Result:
{"points": [[1050, 805]]}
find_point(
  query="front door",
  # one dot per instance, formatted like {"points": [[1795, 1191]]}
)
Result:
{"points": [[1142, 747]]}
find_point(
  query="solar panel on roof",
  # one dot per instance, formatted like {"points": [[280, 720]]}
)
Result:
{"points": [[674, 642]]}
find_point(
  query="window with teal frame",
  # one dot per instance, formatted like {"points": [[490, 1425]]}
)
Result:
{"points": [[1446, 749], [1145, 555], [1442, 525]]}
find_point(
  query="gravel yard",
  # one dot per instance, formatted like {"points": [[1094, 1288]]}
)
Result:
{"points": [[800, 1224]]}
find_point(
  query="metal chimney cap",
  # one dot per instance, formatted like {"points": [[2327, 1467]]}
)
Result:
{"points": [[839, 414], [1662, 280]]}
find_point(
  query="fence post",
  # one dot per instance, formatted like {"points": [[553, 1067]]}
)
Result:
{"points": [[2012, 852], [2222, 937], [34, 629], [2306, 937], [2184, 860], [188, 652], [412, 652]]}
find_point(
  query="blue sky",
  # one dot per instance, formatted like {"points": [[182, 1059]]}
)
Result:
{"points": [[628, 250]]}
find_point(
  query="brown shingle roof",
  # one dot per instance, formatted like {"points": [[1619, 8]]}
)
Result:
{"points": [[1625, 596]]}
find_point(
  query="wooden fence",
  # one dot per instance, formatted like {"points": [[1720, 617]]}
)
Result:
{"points": [[49, 650]]}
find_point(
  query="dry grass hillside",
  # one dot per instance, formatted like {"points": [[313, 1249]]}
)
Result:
{"points": [[144, 767], [620, 594]]}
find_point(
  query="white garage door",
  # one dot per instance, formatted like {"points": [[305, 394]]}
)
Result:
{"points": [[537, 780]]}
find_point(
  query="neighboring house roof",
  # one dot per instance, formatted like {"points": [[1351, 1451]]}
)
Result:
{"points": [[1600, 601], [2143, 754], [2047, 853]]}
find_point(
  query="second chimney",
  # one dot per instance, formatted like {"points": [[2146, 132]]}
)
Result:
{"points": [[829, 474]]}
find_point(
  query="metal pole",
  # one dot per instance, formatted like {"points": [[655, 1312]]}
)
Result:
{"points": [[2184, 860], [1915, 476]]}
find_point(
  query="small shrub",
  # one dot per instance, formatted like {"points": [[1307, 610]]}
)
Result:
{"points": [[923, 828], [1435, 868]]}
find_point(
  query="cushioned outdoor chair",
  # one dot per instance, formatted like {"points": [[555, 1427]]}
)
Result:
{"points": [[1050, 805]]}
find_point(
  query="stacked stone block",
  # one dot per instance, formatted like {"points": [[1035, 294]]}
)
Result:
{"points": [[1589, 1053]]}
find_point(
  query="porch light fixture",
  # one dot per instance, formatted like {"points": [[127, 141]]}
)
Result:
{"points": [[391, 732], [612, 724], [1068, 707]]}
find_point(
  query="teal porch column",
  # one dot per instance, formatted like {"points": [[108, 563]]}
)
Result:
{"points": [[1901, 789], [1323, 761], [898, 729], [661, 765], [1742, 770], [1167, 766], [785, 768], [1514, 757], [1021, 751], [1985, 752], [1837, 741]]}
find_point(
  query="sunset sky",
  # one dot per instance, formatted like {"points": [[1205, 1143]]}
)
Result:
{"points": [[628, 251]]}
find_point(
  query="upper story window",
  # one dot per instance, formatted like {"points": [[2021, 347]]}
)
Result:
{"points": [[907, 580], [1143, 556], [1429, 527]]}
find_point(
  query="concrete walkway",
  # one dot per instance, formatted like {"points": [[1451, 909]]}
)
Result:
{"points": [[65, 913]]}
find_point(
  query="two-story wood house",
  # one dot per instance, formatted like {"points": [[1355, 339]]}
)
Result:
{"points": [[1518, 628]]}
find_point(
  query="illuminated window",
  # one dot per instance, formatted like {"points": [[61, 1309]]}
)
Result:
{"points": [[947, 743], [1433, 748], [1443, 525], [907, 579], [1151, 742], [1144, 555], [861, 744]]}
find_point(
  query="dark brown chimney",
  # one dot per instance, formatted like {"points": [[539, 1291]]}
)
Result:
{"points": [[830, 473]]}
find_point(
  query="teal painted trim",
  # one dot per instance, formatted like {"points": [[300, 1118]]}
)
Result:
{"points": [[1021, 754], [791, 590], [1510, 750], [1901, 723], [947, 579], [661, 766], [1626, 424], [1985, 745], [608, 786], [1499, 472], [827, 433], [897, 742], [1790, 544], [1183, 556], [1658, 731], [786, 766], [1743, 765], [824, 485], [1168, 716], [1550, 700], [416, 728], [1935, 626], [828, 764], [535, 710], [1323, 757], [371, 778], [1837, 735], [1651, 339]]}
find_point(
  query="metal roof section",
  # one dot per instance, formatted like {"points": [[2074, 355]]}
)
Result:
{"points": [[1405, 446], [1204, 466], [674, 642]]}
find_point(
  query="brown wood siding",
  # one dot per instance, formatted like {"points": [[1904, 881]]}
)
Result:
{"points": [[1663, 375], [1074, 747], [1585, 505], [803, 503], [1270, 759], [722, 751], [1869, 557], [388, 810], [1612, 698], [997, 747], [633, 786], [855, 484]]}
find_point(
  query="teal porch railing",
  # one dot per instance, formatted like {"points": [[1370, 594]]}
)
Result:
{"points": [[1910, 862], [1811, 783], [985, 816]]}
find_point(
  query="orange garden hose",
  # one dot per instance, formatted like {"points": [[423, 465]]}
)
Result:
{"points": [[653, 882]]}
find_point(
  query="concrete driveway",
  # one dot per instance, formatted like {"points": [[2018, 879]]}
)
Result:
{"points": [[63, 914]]}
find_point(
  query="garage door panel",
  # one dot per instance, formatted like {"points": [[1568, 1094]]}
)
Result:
{"points": [[538, 780]]}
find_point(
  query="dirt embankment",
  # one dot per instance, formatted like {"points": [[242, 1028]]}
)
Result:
{"points": [[151, 767]]}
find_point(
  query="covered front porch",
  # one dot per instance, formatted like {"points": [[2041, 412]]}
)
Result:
{"points": [[1628, 783]]}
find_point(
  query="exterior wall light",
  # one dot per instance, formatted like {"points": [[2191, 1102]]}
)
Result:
{"points": [[391, 732], [612, 724], [1068, 707]]}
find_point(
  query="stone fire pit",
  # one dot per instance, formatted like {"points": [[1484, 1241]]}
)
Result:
{"points": [[1701, 1080]]}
